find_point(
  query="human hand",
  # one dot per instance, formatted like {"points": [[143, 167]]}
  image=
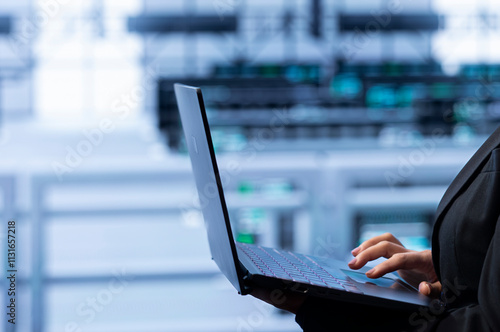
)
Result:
{"points": [[415, 267], [281, 299]]}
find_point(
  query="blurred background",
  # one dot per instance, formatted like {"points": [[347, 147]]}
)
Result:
{"points": [[333, 121]]}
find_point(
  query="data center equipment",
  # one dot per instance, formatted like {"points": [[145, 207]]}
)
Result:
{"points": [[147, 24], [390, 22], [378, 100], [366, 97], [5, 24]]}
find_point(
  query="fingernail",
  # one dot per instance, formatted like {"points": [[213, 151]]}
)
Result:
{"points": [[424, 288], [355, 251], [352, 262], [369, 272]]}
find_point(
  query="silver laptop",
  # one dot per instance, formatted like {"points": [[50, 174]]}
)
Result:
{"points": [[246, 265]]}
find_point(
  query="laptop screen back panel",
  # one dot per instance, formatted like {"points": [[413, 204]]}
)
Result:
{"points": [[210, 192]]}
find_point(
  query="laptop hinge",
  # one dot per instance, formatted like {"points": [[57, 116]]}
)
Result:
{"points": [[245, 287]]}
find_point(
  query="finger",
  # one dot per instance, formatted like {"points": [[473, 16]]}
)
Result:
{"points": [[430, 289], [283, 300], [398, 261], [382, 249], [373, 241]]}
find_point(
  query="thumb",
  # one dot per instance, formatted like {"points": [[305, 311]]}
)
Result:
{"points": [[430, 289]]}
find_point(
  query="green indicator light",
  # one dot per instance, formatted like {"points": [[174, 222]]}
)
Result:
{"points": [[245, 187], [245, 238], [442, 90]]}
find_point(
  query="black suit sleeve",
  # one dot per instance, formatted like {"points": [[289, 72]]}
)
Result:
{"points": [[320, 315], [485, 315]]}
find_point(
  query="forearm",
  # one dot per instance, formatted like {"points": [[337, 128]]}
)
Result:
{"points": [[318, 315], [466, 319]]}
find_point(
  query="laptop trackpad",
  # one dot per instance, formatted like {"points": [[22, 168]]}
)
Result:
{"points": [[381, 282]]}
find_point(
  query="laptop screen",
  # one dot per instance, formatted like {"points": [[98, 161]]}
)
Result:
{"points": [[208, 183]]}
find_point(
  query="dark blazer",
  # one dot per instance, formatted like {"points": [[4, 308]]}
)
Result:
{"points": [[466, 256], [466, 244]]}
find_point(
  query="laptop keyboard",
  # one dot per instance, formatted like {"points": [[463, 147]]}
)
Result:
{"points": [[296, 267]]}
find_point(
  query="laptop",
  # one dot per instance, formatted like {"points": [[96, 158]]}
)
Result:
{"points": [[249, 265]]}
